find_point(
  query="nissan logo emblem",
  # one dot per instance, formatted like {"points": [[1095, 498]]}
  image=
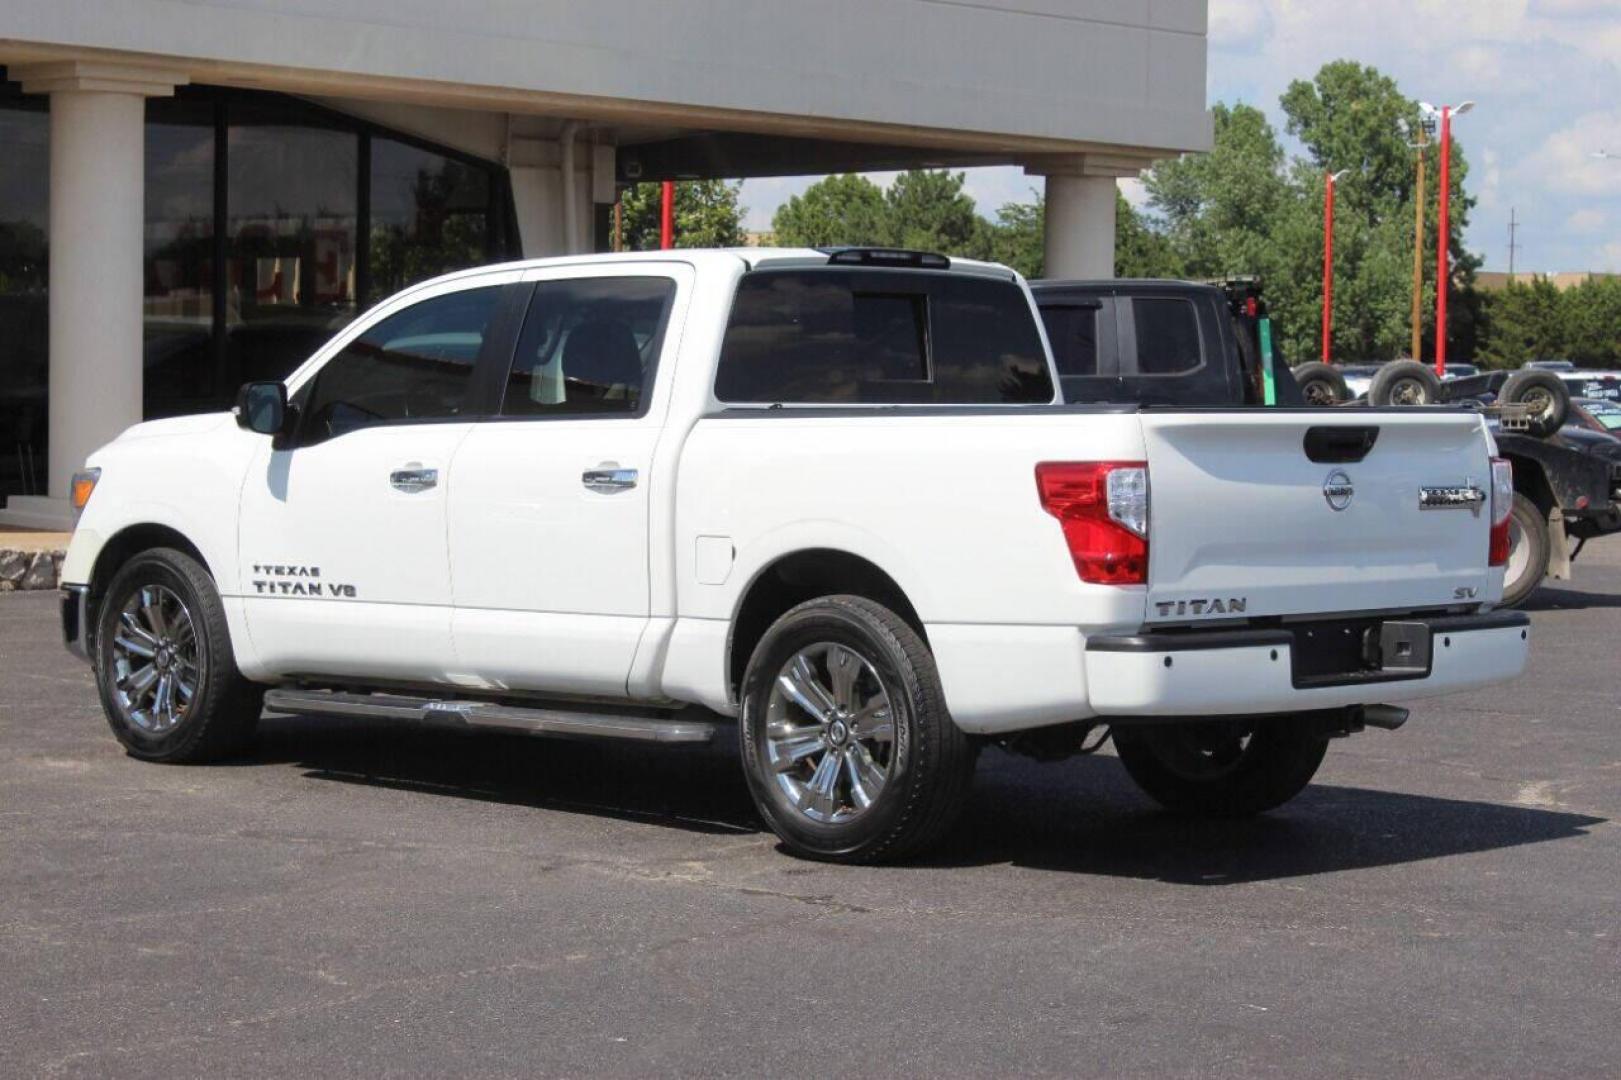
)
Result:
{"points": [[1337, 489]]}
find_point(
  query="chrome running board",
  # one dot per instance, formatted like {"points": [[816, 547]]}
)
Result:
{"points": [[491, 715]]}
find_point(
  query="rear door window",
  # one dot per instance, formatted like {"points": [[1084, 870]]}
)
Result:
{"points": [[1167, 336], [589, 347], [834, 336], [1072, 330], [1173, 353]]}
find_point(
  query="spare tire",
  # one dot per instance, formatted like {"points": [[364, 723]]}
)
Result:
{"points": [[1545, 392], [1321, 384], [1404, 382]]}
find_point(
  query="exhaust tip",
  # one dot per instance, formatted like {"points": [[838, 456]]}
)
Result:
{"points": [[1387, 717]]}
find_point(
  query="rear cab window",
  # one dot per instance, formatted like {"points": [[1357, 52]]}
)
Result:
{"points": [[837, 336]]}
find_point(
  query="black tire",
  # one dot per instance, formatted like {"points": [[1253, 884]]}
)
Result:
{"points": [[929, 760], [1207, 768], [1528, 525], [1321, 384], [223, 710], [1546, 391], [1404, 382]]}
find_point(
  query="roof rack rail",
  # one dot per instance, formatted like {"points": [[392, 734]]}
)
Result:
{"points": [[877, 256]]}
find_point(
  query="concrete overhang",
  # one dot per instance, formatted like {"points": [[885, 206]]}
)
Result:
{"points": [[993, 81]]}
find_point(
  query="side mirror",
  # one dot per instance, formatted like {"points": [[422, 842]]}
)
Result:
{"points": [[262, 407]]}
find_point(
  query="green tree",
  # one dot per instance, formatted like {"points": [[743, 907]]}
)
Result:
{"points": [[1017, 237], [1247, 208], [929, 211], [1140, 249], [1524, 321], [1350, 117], [1219, 209], [1592, 322], [840, 210], [707, 215]]}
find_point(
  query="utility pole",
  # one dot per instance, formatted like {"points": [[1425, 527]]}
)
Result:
{"points": [[1330, 180], [1513, 227], [1418, 145]]}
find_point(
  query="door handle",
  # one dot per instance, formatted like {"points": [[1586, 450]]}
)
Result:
{"points": [[607, 480], [413, 480]]}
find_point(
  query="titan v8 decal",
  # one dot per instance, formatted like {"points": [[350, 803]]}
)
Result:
{"points": [[277, 580], [1234, 605]]}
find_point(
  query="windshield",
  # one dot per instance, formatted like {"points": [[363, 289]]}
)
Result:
{"points": [[1609, 417]]}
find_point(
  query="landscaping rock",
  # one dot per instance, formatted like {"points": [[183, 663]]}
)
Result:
{"points": [[41, 573], [13, 565]]}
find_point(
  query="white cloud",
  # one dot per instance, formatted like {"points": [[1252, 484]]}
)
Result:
{"points": [[1238, 24], [1579, 8], [1586, 220], [1565, 162]]}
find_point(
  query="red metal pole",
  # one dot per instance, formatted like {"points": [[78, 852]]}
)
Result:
{"points": [[667, 217], [1443, 270], [1328, 266]]}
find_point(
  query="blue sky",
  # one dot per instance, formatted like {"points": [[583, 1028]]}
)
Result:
{"points": [[1545, 76]]}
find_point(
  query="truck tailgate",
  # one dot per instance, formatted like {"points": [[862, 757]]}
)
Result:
{"points": [[1260, 512]]}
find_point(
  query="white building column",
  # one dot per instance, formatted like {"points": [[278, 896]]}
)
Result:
{"points": [[1081, 198], [97, 216], [1079, 241], [540, 195]]}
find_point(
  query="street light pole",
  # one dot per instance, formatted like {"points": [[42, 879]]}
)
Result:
{"points": [[1329, 180], [1443, 264], [667, 215]]}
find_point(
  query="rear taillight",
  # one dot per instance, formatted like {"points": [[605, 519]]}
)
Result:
{"points": [[1103, 507], [1502, 507]]}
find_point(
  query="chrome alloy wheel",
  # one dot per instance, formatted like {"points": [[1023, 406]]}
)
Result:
{"points": [[154, 660], [830, 733]]}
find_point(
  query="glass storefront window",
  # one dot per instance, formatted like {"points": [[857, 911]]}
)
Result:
{"points": [[266, 217], [180, 375], [24, 356], [292, 201], [430, 214]]}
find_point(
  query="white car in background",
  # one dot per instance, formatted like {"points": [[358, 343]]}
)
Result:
{"points": [[1358, 377]]}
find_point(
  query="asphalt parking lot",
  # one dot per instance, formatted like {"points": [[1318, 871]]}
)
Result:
{"points": [[364, 899]]}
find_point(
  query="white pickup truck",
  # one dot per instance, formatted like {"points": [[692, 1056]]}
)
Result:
{"points": [[835, 496]]}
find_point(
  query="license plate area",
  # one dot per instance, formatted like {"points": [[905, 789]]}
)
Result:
{"points": [[1350, 651]]}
